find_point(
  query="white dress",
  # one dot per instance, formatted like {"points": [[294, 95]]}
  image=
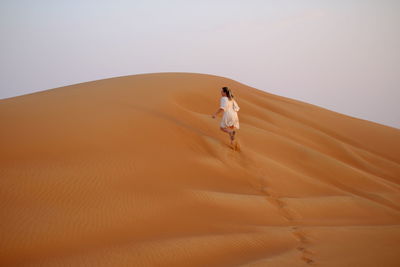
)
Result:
{"points": [[230, 116]]}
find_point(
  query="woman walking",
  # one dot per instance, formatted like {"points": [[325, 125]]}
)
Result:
{"points": [[230, 120]]}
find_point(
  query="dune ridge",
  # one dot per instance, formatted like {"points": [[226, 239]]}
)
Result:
{"points": [[133, 171]]}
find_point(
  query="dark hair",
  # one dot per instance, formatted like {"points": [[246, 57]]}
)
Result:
{"points": [[228, 92]]}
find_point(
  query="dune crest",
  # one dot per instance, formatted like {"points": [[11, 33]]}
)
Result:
{"points": [[134, 171]]}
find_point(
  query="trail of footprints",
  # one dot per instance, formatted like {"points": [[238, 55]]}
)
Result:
{"points": [[301, 236]]}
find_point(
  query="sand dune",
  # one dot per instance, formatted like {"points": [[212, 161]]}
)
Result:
{"points": [[134, 171]]}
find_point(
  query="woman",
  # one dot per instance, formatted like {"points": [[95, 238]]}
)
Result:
{"points": [[230, 120]]}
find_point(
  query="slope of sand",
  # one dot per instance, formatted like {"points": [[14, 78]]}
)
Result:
{"points": [[134, 171]]}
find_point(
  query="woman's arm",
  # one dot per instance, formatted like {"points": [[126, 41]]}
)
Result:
{"points": [[217, 112]]}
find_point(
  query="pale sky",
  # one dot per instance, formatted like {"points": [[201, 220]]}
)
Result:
{"points": [[343, 55]]}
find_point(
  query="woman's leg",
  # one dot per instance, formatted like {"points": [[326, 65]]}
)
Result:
{"points": [[227, 129], [230, 131]]}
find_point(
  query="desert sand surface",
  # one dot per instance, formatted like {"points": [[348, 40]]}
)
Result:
{"points": [[134, 171]]}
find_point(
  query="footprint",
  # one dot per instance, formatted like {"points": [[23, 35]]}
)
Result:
{"points": [[300, 236], [281, 203], [287, 215], [276, 202], [235, 146], [301, 248], [305, 250], [308, 260], [306, 254]]}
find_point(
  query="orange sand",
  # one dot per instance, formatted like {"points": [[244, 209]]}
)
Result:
{"points": [[134, 171]]}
